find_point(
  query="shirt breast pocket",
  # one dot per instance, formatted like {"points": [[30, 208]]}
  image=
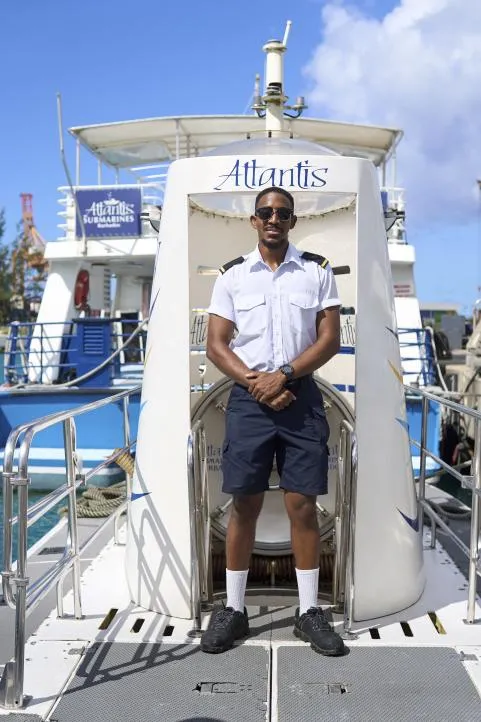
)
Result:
{"points": [[251, 314], [303, 311]]}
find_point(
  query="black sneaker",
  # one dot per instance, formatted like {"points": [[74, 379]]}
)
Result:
{"points": [[225, 626], [313, 627]]}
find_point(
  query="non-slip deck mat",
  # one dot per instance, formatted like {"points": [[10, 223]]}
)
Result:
{"points": [[395, 684], [167, 683]]}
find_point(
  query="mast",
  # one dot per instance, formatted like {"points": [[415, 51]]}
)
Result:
{"points": [[272, 105]]}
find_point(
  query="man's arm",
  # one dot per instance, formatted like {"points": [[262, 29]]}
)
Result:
{"points": [[220, 331], [327, 344], [219, 335]]}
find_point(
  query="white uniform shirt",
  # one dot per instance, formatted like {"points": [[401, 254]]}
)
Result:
{"points": [[274, 311]]}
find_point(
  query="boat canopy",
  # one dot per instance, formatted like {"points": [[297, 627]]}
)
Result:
{"points": [[160, 140]]}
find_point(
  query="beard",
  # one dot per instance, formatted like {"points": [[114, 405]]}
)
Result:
{"points": [[274, 243]]}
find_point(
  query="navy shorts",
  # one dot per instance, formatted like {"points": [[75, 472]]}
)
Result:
{"points": [[295, 436]]}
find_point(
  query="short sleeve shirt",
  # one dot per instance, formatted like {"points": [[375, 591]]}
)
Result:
{"points": [[274, 311]]}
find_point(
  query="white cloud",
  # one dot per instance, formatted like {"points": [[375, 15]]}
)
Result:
{"points": [[418, 69]]}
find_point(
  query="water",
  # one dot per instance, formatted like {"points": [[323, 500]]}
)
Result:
{"points": [[41, 527], [37, 530]]}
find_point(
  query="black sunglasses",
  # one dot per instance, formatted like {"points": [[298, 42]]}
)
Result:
{"points": [[266, 212]]}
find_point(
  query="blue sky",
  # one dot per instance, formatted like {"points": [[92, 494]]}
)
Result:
{"points": [[117, 60]]}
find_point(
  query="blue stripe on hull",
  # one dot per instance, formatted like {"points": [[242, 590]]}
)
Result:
{"points": [[350, 388], [101, 429]]}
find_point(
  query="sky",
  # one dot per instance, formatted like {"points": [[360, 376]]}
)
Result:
{"points": [[409, 64]]}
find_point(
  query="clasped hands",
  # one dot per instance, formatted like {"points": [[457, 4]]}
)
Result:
{"points": [[268, 388]]}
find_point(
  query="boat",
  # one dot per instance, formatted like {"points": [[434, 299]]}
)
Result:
{"points": [[124, 641], [88, 340]]}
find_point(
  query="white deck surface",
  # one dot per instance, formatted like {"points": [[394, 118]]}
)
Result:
{"points": [[55, 650]]}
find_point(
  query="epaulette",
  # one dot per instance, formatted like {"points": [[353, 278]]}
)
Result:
{"points": [[308, 256], [229, 264]]}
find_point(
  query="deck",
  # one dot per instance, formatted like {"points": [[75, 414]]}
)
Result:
{"points": [[122, 662]]}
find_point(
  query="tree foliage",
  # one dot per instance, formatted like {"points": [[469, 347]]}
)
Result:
{"points": [[5, 274], [20, 285]]}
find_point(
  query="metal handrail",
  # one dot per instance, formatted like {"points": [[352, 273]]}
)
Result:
{"points": [[441, 398], [343, 583], [345, 518], [200, 522], [341, 506], [25, 598], [472, 482]]}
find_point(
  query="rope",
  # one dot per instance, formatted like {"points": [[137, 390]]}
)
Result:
{"points": [[98, 502], [126, 462]]}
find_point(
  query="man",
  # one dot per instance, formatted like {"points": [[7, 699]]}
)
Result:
{"points": [[285, 309]]}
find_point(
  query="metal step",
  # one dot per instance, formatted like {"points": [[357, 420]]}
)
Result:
{"points": [[168, 683], [371, 685], [179, 683]]}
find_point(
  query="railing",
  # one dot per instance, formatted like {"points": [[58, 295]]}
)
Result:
{"points": [[134, 354], [18, 358], [201, 590], [395, 196], [394, 214], [472, 482], [26, 597], [417, 356], [57, 347], [152, 194], [344, 527]]}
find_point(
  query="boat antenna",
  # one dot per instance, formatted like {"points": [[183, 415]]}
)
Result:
{"points": [[272, 105], [257, 104], [67, 173], [255, 100]]}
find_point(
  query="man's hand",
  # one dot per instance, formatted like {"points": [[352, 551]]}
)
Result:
{"points": [[280, 402], [264, 386]]}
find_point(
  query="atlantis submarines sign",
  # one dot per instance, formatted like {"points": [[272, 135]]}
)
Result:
{"points": [[109, 212], [251, 175]]}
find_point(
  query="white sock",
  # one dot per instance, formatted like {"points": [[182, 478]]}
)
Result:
{"points": [[236, 589], [308, 584]]}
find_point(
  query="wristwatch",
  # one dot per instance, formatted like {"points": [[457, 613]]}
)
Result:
{"points": [[288, 372]]}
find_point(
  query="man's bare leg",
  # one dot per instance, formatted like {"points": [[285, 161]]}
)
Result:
{"points": [[239, 544], [241, 530], [302, 514], [230, 624], [311, 624]]}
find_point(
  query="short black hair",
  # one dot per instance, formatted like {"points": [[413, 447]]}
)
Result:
{"points": [[275, 189]]}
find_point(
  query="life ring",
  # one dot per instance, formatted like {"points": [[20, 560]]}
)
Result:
{"points": [[82, 289]]}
